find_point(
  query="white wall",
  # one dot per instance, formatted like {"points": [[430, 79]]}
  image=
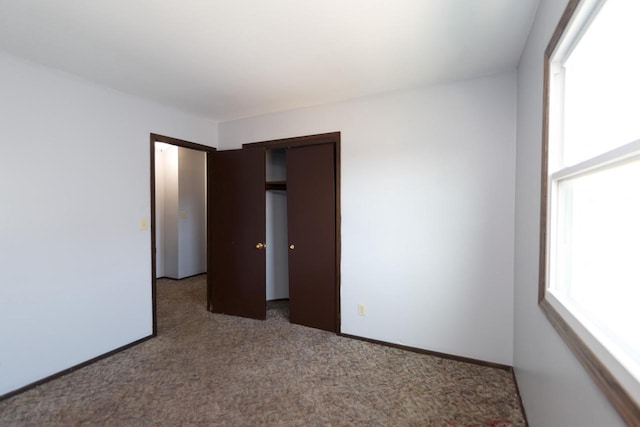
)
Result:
{"points": [[427, 211], [160, 242], [555, 388], [74, 184], [181, 230], [192, 225], [170, 227]]}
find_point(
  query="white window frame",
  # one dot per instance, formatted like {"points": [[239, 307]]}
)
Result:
{"points": [[582, 337]]}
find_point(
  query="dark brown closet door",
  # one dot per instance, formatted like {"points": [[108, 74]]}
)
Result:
{"points": [[238, 233], [311, 228]]}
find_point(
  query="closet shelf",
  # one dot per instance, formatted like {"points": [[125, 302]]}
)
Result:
{"points": [[275, 185]]}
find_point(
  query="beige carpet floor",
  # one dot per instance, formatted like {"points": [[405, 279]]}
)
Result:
{"points": [[210, 369]]}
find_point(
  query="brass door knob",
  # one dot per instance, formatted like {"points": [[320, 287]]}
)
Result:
{"points": [[292, 247], [260, 246]]}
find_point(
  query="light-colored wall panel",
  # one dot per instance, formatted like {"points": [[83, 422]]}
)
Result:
{"points": [[171, 247], [277, 252], [427, 211], [74, 185], [192, 224]]}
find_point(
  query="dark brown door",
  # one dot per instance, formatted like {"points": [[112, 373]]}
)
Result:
{"points": [[237, 233], [311, 204]]}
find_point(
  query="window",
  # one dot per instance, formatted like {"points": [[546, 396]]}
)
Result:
{"points": [[590, 245]]}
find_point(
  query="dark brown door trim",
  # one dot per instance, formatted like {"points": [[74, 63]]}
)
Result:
{"points": [[324, 138], [180, 143], [321, 138]]}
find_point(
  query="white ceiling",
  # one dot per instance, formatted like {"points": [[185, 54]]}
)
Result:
{"points": [[227, 59]]}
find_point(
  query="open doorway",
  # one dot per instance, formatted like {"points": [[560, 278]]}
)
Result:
{"points": [[309, 244], [179, 243]]}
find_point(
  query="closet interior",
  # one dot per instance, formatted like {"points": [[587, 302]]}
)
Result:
{"points": [[277, 264]]}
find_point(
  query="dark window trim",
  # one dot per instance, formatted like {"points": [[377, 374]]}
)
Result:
{"points": [[612, 389]]}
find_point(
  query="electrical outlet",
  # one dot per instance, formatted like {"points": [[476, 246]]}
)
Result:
{"points": [[361, 310], [144, 224]]}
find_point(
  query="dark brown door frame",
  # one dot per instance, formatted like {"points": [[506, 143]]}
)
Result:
{"points": [[180, 143], [324, 138]]}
